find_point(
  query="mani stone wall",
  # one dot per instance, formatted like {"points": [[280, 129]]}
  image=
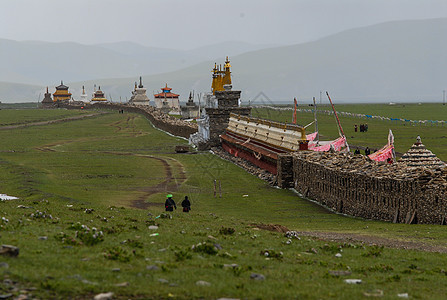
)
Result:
{"points": [[219, 119], [357, 186], [160, 120]]}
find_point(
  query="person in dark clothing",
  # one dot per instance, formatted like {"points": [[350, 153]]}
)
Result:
{"points": [[169, 203], [355, 128], [367, 151], [357, 151], [186, 204]]}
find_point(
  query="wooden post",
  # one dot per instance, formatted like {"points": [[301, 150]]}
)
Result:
{"points": [[214, 188], [220, 189]]}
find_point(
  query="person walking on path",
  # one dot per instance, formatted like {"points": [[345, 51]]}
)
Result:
{"points": [[169, 203], [186, 204]]}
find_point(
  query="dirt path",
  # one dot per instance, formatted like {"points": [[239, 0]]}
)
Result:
{"points": [[171, 183], [357, 238], [74, 118]]}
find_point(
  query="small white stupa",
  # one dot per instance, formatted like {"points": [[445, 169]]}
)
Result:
{"points": [[139, 96], [83, 97]]}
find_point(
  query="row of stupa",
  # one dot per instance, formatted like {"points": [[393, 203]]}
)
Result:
{"points": [[165, 100], [62, 95]]}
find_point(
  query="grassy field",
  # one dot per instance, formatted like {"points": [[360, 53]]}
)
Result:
{"points": [[24, 116], [101, 171]]}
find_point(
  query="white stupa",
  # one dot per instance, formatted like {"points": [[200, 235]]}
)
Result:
{"points": [[139, 97], [83, 97]]}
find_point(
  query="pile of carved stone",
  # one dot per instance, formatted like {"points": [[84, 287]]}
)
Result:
{"points": [[359, 164], [356, 186], [157, 114]]}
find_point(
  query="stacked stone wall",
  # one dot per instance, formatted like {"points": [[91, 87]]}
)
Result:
{"points": [[160, 120], [359, 187], [219, 118]]}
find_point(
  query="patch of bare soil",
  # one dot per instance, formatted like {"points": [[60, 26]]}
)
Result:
{"points": [[357, 238]]}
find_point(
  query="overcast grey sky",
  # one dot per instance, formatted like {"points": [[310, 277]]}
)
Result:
{"points": [[182, 24]]}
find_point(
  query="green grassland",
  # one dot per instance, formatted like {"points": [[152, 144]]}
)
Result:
{"points": [[24, 116], [97, 171]]}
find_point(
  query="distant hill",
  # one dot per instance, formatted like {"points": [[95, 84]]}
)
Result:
{"points": [[34, 62], [16, 92], [394, 61]]}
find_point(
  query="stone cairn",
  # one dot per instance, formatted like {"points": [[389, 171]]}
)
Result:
{"points": [[419, 156]]}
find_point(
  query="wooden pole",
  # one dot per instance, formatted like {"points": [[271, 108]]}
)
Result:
{"points": [[220, 189], [214, 188], [336, 116]]}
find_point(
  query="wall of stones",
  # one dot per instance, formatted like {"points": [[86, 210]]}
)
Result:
{"points": [[219, 118], [359, 187], [160, 120]]}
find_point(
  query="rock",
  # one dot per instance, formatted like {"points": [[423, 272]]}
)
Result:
{"points": [[122, 284], [43, 238], [256, 276], [338, 255], [292, 235], [212, 237], [152, 268], [203, 283], [353, 281], [153, 227], [403, 295], [162, 280], [9, 250], [313, 250], [4, 265], [104, 296], [116, 270], [5, 296]]}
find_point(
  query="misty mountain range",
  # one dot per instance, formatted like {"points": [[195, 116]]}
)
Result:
{"points": [[394, 61]]}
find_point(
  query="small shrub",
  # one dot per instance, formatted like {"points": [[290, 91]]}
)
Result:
{"points": [[182, 255], [272, 254], [76, 226], [394, 278], [111, 230], [89, 236], [117, 253], [40, 215], [331, 248], [66, 239], [164, 216], [374, 251], [206, 248], [133, 243], [227, 231]]}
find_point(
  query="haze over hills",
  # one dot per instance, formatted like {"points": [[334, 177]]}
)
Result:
{"points": [[394, 61]]}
